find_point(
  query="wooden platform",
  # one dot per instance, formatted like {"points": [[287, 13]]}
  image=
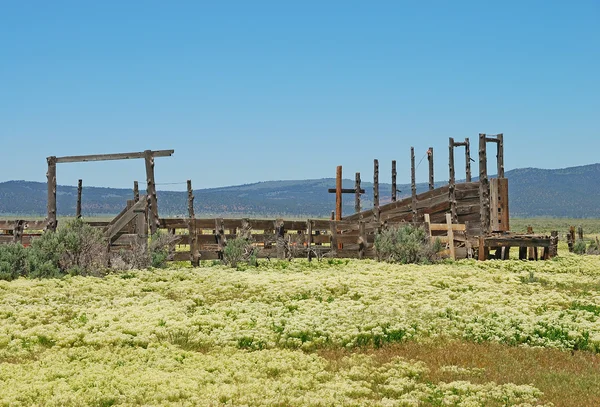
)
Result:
{"points": [[531, 246]]}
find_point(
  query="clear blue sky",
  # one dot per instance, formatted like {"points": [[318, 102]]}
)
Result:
{"points": [[256, 91]]}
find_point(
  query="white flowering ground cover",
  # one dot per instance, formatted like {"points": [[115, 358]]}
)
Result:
{"points": [[219, 336]]}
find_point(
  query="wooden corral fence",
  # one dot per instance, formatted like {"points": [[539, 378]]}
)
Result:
{"points": [[276, 238], [472, 216], [20, 230]]}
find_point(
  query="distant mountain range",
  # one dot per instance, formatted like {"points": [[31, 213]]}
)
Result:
{"points": [[570, 192]]}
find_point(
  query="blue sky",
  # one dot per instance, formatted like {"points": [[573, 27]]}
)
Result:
{"points": [[256, 91]]}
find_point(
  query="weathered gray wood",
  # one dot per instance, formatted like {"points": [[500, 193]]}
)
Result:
{"points": [[113, 230], [334, 237], [362, 240], [79, 189], [280, 239], [18, 231], [151, 190], [452, 181], [357, 192], [413, 185], [220, 237], [484, 186], [51, 204], [309, 238], [136, 191], [393, 180], [430, 160], [376, 185], [346, 190], [194, 255], [500, 155], [107, 157], [468, 159], [141, 226]]}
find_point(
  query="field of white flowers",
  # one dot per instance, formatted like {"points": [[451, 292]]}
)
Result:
{"points": [[218, 336]]}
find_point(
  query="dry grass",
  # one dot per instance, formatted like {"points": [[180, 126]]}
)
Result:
{"points": [[567, 379]]}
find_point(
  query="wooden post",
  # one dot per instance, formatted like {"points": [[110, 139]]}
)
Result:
{"points": [[280, 236], [79, 188], [362, 240], [151, 190], [500, 155], [333, 231], [393, 180], [18, 231], [467, 160], [191, 224], [580, 233], [452, 181], [309, 239], [51, 178], [430, 159], [571, 239], [141, 228], [338, 193], [531, 251], [136, 191], [553, 250], [332, 215], [357, 193], [413, 185], [483, 250], [220, 237], [484, 186], [376, 187], [450, 236]]}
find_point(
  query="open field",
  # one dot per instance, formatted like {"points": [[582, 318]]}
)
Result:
{"points": [[339, 332]]}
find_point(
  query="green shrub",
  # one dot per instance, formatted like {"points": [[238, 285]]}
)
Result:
{"points": [[84, 248], [12, 261], [240, 250], [43, 256], [579, 247], [405, 244], [154, 254]]}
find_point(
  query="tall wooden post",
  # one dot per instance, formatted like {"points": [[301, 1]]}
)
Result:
{"points": [[194, 255], [484, 186], [51, 205], [136, 192], [430, 159], [376, 188], [151, 189], [413, 184], [357, 193], [452, 181], [500, 155], [79, 189], [393, 180], [467, 160], [338, 193]]}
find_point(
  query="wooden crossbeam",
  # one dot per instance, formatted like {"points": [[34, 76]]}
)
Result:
{"points": [[108, 157], [345, 191]]}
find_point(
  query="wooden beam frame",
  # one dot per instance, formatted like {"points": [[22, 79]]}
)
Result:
{"points": [[147, 155], [109, 157]]}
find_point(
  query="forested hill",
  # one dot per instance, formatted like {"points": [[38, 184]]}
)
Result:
{"points": [[569, 192]]}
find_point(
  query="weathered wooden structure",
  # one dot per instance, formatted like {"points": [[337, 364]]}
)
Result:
{"points": [[147, 155], [471, 217]]}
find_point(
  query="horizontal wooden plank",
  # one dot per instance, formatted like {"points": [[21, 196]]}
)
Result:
{"points": [[516, 242], [345, 191], [27, 224], [443, 226], [108, 157]]}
